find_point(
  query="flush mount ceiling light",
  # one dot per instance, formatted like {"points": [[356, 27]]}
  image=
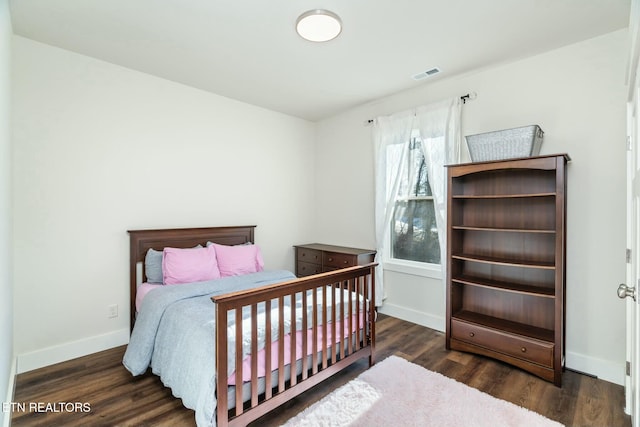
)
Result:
{"points": [[318, 25]]}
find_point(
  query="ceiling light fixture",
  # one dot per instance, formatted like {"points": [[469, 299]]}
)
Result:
{"points": [[318, 25]]}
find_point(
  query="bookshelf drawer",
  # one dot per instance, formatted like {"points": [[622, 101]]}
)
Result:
{"points": [[519, 346]]}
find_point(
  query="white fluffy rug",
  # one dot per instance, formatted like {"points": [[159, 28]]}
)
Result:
{"points": [[396, 392]]}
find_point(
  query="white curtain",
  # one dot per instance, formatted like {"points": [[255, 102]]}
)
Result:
{"points": [[439, 127]]}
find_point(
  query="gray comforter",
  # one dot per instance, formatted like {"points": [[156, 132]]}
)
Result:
{"points": [[174, 333]]}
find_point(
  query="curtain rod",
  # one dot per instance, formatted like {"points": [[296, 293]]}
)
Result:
{"points": [[468, 97]]}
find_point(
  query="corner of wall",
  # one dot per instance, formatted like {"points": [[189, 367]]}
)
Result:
{"points": [[11, 389], [7, 359]]}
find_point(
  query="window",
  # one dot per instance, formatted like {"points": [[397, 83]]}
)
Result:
{"points": [[410, 218], [414, 233]]}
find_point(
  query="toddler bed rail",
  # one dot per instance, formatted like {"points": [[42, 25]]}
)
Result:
{"points": [[338, 331]]}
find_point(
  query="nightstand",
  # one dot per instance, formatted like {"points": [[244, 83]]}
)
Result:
{"points": [[316, 258]]}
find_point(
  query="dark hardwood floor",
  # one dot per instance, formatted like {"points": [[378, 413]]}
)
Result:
{"points": [[118, 399]]}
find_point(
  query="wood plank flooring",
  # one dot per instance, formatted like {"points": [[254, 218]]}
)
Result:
{"points": [[118, 399]]}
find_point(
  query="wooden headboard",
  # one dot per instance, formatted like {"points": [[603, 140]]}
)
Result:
{"points": [[143, 240]]}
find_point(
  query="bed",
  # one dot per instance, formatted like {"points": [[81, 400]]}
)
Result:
{"points": [[228, 333]]}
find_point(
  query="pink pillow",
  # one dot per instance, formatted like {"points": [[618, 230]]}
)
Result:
{"points": [[238, 260], [189, 265]]}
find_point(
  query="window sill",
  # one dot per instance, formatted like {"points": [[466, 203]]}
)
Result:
{"points": [[416, 269]]}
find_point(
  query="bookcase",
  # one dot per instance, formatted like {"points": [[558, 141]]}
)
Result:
{"points": [[506, 262]]}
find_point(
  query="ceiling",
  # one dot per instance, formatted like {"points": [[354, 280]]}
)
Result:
{"points": [[248, 49]]}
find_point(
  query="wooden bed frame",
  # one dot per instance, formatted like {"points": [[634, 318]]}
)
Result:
{"points": [[324, 361]]}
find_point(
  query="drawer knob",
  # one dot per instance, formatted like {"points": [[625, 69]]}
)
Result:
{"points": [[346, 262], [330, 259], [471, 334], [523, 349]]}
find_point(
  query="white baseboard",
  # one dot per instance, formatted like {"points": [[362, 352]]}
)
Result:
{"points": [[11, 387], [414, 316], [71, 350], [603, 369]]}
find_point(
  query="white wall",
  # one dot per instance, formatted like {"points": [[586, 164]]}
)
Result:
{"points": [[100, 149], [6, 307], [577, 95]]}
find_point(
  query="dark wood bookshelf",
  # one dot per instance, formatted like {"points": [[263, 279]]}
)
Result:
{"points": [[506, 262]]}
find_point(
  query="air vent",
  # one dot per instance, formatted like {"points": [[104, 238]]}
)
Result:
{"points": [[425, 74]]}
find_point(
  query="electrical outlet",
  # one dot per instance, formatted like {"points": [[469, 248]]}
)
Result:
{"points": [[112, 311]]}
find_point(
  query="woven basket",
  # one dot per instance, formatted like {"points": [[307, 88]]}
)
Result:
{"points": [[505, 144]]}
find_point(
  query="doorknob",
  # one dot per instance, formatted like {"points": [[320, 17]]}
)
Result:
{"points": [[625, 291]]}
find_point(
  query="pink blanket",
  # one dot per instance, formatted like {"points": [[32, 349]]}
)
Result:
{"points": [[246, 363]]}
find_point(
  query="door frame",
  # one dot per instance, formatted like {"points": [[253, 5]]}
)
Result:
{"points": [[633, 261], [632, 379]]}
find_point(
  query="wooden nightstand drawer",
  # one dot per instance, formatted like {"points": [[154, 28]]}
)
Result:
{"points": [[309, 255], [315, 258], [514, 345], [307, 268], [336, 260]]}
